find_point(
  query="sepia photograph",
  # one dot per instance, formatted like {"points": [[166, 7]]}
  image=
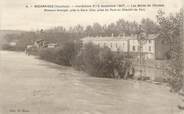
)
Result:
{"points": [[91, 57]]}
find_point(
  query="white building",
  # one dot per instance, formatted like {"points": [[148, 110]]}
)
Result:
{"points": [[148, 47], [51, 45], [114, 44], [128, 44]]}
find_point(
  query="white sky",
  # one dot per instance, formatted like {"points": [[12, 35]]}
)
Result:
{"points": [[14, 15]]}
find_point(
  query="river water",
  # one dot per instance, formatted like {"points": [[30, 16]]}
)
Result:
{"points": [[32, 86]]}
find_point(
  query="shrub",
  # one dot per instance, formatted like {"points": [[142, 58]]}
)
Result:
{"points": [[102, 62], [66, 55], [62, 55], [48, 54], [90, 57], [99, 62]]}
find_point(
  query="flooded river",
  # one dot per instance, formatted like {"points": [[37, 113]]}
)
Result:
{"points": [[32, 86]]}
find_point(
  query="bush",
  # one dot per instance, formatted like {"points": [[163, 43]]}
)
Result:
{"points": [[99, 62], [62, 55], [102, 62], [68, 53], [48, 54]]}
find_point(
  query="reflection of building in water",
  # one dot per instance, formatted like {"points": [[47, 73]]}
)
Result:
{"points": [[129, 44]]}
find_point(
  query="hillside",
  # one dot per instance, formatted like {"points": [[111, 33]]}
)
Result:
{"points": [[3, 33]]}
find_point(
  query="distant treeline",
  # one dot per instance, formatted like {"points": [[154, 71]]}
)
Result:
{"points": [[61, 35]]}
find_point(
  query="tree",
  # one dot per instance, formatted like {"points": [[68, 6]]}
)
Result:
{"points": [[56, 29], [149, 26], [171, 30], [120, 26], [97, 29], [67, 54], [89, 31], [112, 29]]}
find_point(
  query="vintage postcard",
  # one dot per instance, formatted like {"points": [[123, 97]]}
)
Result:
{"points": [[91, 57]]}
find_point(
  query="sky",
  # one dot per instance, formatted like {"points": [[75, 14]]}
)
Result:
{"points": [[15, 16]]}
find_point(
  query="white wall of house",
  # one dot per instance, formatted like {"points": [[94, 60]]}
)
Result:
{"points": [[51, 45], [121, 45], [125, 45], [148, 47], [114, 45], [133, 45]]}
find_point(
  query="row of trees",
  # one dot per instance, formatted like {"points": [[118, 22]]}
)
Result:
{"points": [[120, 27]]}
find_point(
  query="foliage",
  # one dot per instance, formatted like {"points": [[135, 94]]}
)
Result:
{"points": [[48, 54], [62, 55], [67, 54], [96, 61], [149, 26], [62, 35], [102, 62], [171, 30]]}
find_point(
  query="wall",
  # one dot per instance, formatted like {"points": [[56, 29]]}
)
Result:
{"points": [[149, 54], [125, 45]]}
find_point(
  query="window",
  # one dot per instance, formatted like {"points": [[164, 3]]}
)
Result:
{"points": [[150, 41], [133, 48], [149, 48]]}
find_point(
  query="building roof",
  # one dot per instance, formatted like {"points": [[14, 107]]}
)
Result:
{"points": [[118, 38]]}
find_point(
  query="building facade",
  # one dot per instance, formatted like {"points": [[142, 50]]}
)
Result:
{"points": [[128, 44]]}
